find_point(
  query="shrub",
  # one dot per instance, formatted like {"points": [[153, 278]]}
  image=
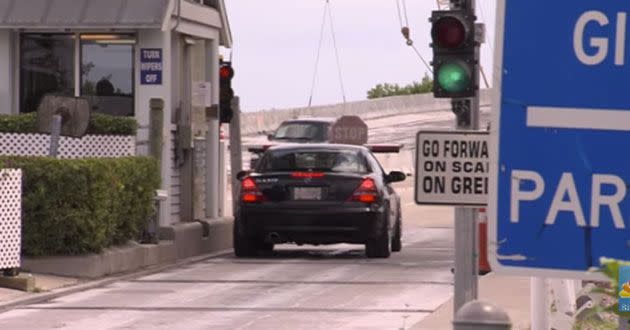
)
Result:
{"points": [[100, 124], [24, 123], [72, 207]]}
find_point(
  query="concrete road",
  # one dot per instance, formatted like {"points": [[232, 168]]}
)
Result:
{"points": [[333, 287], [400, 129]]}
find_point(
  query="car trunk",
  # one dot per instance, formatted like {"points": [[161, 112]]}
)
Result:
{"points": [[319, 188]]}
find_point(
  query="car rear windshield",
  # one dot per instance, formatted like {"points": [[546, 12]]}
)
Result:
{"points": [[302, 131], [343, 161]]}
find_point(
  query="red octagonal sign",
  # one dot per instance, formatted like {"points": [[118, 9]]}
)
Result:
{"points": [[349, 130]]}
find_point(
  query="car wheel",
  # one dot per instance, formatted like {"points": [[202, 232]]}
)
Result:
{"points": [[243, 246], [379, 247], [397, 239], [266, 247]]}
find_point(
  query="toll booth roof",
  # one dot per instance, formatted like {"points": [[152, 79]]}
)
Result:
{"points": [[82, 13]]}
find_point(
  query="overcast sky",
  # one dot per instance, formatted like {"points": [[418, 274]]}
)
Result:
{"points": [[275, 47]]}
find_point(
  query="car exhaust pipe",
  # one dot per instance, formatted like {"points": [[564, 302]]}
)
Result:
{"points": [[273, 237]]}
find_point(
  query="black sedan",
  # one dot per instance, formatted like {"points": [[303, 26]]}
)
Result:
{"points": [[318, 194]]}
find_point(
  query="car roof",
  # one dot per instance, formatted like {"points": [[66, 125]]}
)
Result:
{"points": [[318, 146], [313, 120]]}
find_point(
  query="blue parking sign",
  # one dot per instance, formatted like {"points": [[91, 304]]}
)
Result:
{"points": [[559, 197]]}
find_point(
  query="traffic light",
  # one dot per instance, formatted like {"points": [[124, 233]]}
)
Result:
{"points": [[226, 93], [454, 56]]}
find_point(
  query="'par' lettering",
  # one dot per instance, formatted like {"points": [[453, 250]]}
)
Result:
{"points": [[566, 198]]}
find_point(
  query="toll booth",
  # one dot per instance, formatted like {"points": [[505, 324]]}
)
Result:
{"points": [[121, 54]]}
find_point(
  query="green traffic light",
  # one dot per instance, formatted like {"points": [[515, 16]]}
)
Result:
{"points": [[453, 77]]}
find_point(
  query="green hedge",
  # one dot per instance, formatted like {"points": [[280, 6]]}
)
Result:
{"points": [[73, 207], [100, 124]]}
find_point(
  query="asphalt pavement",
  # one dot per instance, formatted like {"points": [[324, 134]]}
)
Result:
{"points": [[331, 287]]}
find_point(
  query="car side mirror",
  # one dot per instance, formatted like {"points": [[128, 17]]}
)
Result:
{"points": [[395, 176], [269, 137], [241, 175]]}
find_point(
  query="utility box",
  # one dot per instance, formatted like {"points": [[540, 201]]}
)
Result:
{"points": [[10, 218]]}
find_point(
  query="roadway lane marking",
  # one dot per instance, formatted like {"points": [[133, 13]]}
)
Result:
{"points": [[192, 281], [226, 309]]}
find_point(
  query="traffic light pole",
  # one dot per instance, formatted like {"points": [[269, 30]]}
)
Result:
{"points": [[466, 226]]}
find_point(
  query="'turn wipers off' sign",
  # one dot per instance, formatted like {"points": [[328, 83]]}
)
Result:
{"points": [[151, 66], [452, 168]]}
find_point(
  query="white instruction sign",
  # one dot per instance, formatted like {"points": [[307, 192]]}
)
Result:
{"points": [[201, 94], [452, 168]]}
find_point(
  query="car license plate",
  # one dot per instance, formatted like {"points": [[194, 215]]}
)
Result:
{"points": [[302, 193]]}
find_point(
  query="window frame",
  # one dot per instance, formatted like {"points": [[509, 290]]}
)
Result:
{"points": [[77, 59], [20, 76], [79, 84]]}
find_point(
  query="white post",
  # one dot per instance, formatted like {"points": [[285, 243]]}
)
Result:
{"points": [[212, 137], [564, 298], [222, 177], [539, 303]]}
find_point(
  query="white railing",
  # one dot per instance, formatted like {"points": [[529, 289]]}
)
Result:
{"points": [[95, 146]]}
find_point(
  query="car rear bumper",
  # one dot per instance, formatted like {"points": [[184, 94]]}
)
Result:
{"points": [[312, 226]]}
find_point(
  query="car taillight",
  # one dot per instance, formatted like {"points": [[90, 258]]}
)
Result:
{"points": [[366, 193], [250, 192], [307, 175]]}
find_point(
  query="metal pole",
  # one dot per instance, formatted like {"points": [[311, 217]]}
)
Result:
{"points": [[466, 227], [539, 303], [212, 136], [466, 265], [55, 133], [236, 152]]}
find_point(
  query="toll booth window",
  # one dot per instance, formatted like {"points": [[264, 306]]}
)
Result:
{"points": [[107, 72], [49, 64], [327, 161], [46, 67]]}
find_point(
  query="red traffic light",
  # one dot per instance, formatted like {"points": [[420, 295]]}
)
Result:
{"points": [[449, 32], [226, 72]]}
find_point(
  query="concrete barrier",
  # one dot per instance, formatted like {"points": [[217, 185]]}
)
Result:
{"points": [[177, 242], [267, 120]]}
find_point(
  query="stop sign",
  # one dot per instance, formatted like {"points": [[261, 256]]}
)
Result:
{"points": [[349, 130]]}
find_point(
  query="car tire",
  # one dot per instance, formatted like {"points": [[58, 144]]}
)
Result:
{"points": [[266, 247], [243, 246], [379, 247], [397, 239]]}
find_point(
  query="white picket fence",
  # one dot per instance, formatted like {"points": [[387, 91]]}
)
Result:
{"points": [[89, 146], [10, 217]]}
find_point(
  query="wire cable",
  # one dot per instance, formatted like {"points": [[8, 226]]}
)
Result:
{"points": [[319, 48], [334, 38], [404, 2], [405, 32], [422, 59], [399, 13], [484, 20]]}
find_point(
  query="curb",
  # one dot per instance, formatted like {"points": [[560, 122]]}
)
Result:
{"points": [[54, 294]]}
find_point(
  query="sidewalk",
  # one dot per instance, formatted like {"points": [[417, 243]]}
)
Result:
{"points": [[508, 292], [43, 283]]}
